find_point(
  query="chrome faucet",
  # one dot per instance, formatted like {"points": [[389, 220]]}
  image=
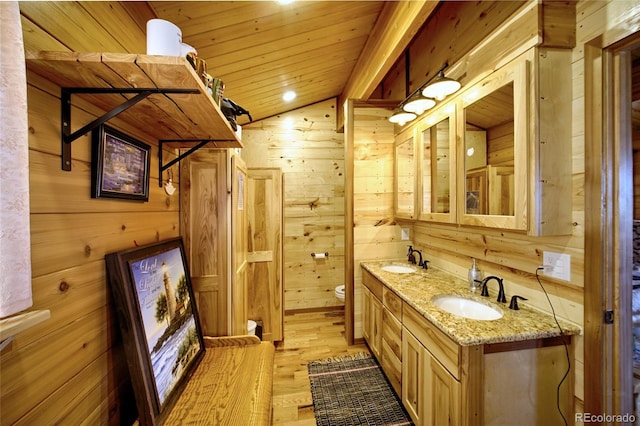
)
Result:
{"points": [[485, 292]]}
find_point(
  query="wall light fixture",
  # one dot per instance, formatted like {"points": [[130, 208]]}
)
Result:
{"points": [[425, 96]]}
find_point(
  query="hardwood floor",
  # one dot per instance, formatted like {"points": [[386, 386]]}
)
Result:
{"points": [[307, 337]]}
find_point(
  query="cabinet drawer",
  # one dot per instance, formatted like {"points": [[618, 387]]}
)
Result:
{"points": [[392, 332], [392, 302], [435, 341], [392, 367], [372, 283]]}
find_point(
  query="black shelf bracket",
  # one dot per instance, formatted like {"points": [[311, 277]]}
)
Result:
{"points": [[199, 144], [65, 107]]}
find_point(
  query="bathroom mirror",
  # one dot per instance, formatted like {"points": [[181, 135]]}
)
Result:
{"points": [[494, 151], [437, 165], [405, 175], [489, 154]]}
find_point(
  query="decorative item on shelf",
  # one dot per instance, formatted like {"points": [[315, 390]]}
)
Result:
{"points": [[231, 110], [425, 97], [163, 38], [168, 187], [217, 90]]}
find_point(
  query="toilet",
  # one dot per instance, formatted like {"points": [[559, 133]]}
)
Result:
{"points": [[340, 293], [251, 327]]}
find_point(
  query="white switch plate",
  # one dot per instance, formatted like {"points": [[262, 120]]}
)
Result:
{"points": [[405, 234], [557, 265]]}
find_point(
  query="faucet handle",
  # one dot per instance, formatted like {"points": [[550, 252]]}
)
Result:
{"points": [[514, 302], [484, 287], [425, 264]]}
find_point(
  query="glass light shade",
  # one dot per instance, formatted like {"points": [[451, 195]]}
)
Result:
{"points": [[401, 117], [441, 87], [419, 105]]}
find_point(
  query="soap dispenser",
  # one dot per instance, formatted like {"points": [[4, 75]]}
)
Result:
{"points": [[475, 276]]}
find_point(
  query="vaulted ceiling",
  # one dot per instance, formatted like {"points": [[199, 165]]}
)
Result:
{"points": [[318, 49]]}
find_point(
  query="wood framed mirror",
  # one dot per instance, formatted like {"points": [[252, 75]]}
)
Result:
{"points": [[405, 174], [494, 150], [436, 161]]}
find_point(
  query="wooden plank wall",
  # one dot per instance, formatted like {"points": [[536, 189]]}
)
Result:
{"points": [[375, 233], [305, 146], [71, 369]]}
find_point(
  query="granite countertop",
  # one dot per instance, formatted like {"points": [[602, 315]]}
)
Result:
{"points": [[417, 289]]}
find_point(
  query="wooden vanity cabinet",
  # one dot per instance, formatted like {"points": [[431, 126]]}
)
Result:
{"points": [[372, 326], [383, 327], [435, 370], [444, 383]]}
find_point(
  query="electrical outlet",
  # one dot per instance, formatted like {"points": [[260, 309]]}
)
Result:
{"points": [[557, 265], [404, 234]]}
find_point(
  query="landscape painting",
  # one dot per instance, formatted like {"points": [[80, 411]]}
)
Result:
{"points": [[159, 322]]}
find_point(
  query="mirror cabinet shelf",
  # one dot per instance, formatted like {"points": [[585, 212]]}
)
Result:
{"points": [[497, 154]]}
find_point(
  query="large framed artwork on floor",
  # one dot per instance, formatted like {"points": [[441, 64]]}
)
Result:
{"points": [[159, 323]]}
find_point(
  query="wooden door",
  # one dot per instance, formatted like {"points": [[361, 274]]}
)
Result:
{"points": [[240, 231], [203, 223], [265, 287]]}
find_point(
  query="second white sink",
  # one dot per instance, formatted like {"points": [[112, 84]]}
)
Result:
{"points": [[466, 308], [398, 269]]}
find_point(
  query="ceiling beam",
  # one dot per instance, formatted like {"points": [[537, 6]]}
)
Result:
{"points": [[398, 23]]}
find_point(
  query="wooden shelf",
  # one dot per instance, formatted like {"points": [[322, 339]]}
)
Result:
{"points": [[172, 117], [10, 327]]}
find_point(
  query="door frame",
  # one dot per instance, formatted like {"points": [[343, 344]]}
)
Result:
{"points": [[608, 377]]}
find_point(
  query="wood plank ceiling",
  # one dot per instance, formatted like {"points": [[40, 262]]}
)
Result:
{"points": [[260, 49]]}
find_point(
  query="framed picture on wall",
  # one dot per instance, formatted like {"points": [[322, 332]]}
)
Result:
{"points": [[119, 165], [158, 319]]}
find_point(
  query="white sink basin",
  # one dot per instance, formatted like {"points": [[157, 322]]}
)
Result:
{"points": [[466, 308], [398, 269]]}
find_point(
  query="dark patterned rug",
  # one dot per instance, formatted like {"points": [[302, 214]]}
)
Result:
{"points": [[353, 390]]}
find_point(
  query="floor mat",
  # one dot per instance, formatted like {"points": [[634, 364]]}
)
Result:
{"points": [[353, 390]]}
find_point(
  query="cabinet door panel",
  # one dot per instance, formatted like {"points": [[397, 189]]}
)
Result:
{"points": [[412, 376], [376, 327], [366, 314], [441, 395], [392, 302], [392, 332], [392, 367]]}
